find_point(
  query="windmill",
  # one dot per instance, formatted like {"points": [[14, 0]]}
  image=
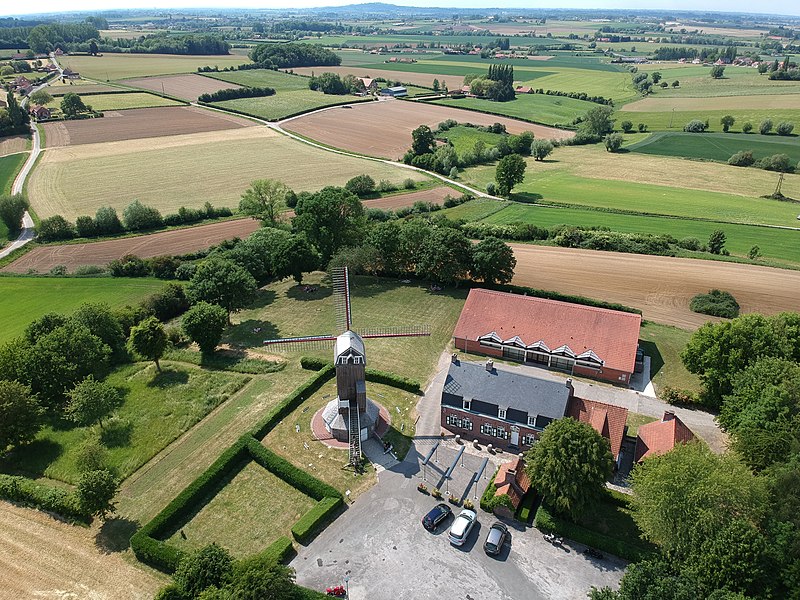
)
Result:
{"points": [[351, 417]]}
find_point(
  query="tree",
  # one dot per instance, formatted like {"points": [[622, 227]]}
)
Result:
{"points": [[107, 221], [204, 323], [716, 241], [256, 579], [541, 149], [656, 75], [101, 321], [12, 209], [149, 340], [422, 140], [784, 128], [40, 97], [754, 253], [91, 400], [676, 83], [627, 126], [613, 142], [292, 256], [330, 219], [493, 261], [570, 465], [747, 127], [264, 200], [72, 105], [717, 71], [55, 228], [765, 127], [361, 185], [96, 491], [224, 283], [695, 126], [93, 47], [743, 158], [435, 85], [510, 171], [727, 122], [138, 217], [597, 121], [20, 415], [211, 565], [446, 256]]}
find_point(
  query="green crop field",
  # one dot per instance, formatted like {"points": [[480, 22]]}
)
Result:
{"points": [[76, 180], [669, 121], [9, 167], [549, 110], [464, 138], [614, 85], [28, 298], [282, 82], [111, 67], [104, 102], [157, 408], [716, 146], [696, 82], [558, 59]]}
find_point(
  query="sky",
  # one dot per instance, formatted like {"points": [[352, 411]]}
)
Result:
{"points": [[786, 7]]}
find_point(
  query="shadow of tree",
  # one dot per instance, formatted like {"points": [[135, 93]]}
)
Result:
{"points": [[168, 377], [525, 197], [115, 535], [263, 298], [309, 292], [32, 459], [116, 434]]}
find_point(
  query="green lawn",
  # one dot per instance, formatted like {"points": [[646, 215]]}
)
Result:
{"points": [[245, 514], [668, 121], [124, 101], [664, 344], [280, 81], [158, 408], [464, 138], [9, 167], [28, 298], [284, 310], [115, 66], [716, 146], [550, 110], [636, 420]]}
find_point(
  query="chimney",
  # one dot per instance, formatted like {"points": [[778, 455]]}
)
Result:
{"points": [[569, 387], [668, 416], [490, 365], [454, 358]]}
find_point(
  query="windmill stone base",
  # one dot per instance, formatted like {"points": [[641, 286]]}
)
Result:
{"points": [[337, 423]]}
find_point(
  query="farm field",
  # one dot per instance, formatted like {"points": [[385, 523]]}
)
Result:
{"points": [[660, 286], [88, 87], [463, 138], [716, 146], [14, 144], [550, 110], [342, 127], [121, 101], [423, 78], [286, 104], [158, 407], [188, 87], [111, 67], [667, 121], [763, 102], [696, 82], [9, 167], [28, 298], [76, 180], [136, 124]]}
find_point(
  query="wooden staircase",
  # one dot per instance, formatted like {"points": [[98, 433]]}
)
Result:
{"points": [[355, 434]]}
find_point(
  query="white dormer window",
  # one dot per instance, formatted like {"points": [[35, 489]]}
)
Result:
{"points": [[501, 414], [531, 420], [467, 404]]}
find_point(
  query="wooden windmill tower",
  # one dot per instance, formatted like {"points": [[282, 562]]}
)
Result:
{"points": [[351, 416]]}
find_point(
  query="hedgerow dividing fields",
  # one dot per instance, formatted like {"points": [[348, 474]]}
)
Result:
{"points": [[121, 101]]}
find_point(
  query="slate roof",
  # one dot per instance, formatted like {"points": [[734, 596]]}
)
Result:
{"points": [[507, 389], [612, 335], [659, 437], [606, 419]]}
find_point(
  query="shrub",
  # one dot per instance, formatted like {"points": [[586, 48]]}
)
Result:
{"points": [[312, 363], [138, 217], [695, 126], [690, 243], [777, 162], [55, 228], [409, 184], [58, 271], [85, 227], [88, 270], [361, 185], [185, 271], [716, 303], [129, 265], [164, 267], [12, 209], [316, 519], [747, 127], [614, 142], [44, 497], [784, 128], [765, 127], [491, 188], [167, 304], [743, 158], [386, 186], [236, 93], [680, 397], [393, 380], [627, 126]]}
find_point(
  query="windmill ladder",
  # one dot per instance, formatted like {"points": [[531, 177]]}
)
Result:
{"points": [[355, 433]]}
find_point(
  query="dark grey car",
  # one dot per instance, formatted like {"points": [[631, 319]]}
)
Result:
{"points": [[495, 539]]}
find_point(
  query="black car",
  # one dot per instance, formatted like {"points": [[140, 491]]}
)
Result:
{"points": [[436, 516], [495, 539]]}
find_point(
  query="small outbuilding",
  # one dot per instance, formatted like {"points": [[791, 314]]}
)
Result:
{"points": [[397, 91], [659, 437]]}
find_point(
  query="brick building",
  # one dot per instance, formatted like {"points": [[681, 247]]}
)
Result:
{"points": [[574, 338], [659, 437]]}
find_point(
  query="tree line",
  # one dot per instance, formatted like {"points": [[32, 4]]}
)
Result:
{"points": [[284, 56], [236, 93]]}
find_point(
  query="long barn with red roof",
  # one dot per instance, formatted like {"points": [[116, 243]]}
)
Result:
{"points": [[578, 339]]}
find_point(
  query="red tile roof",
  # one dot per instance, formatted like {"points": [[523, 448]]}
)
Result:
{"points": [[613, 335], [512, 480], [606, 419], [661, 436]]}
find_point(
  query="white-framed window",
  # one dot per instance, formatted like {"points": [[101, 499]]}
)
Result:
{"points": [[529, 439], [459, 422], [501, 433], [467, 404], [487, 429], [531, 420], [466, 423], [501, 413]]}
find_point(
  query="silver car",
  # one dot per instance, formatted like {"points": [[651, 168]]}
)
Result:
{"points": [[459, 532]]}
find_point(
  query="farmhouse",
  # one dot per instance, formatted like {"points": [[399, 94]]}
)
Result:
{"points": [[396, 91], [577, 339], [659, 437], [370, 84], [510, 409], [523, 89], [40, 113]]}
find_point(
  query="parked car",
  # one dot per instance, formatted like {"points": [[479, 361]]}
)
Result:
{"points": [[436, 516], [495, 539], [459, 531]]}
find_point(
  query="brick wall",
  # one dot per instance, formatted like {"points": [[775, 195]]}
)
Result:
{"points": [[475, 433]]}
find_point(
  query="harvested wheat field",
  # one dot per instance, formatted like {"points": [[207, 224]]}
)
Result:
{"points": [[407, 77], [41, 557], [754, 102], [188, 87], [178, 241], [384, 128], [188, 170], [139, 123], [13, 144], [658, 285]]}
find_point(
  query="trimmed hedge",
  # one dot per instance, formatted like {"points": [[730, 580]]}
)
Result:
{"points": [[488, 495], [236, 93], [279, 551], [316, 519], [313, 363], [43, 497]]}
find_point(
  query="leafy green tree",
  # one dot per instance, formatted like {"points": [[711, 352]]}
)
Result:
{"points": [[754, 253], [727, 122], [20, 415], [509, 172], [40, 97], [359, 260], [597, 121], [222, 282], [386, 238], [541, 149], [656, 75], [493, 261], [765, 127], [330, 219], [91, 456], [570, 465], [292, 257], [747, 127], [95, 493], [204, 323], [209, 566], [627, 126], [446, 256], [91, 401], [55, 228], [784, 128], [435, 85], [254, 579], [264, 200], [361, 185], [613, 142], [138, 217], [685, 497], [717, 72], [93, 47], [12, 209], [423, 140], [107, 221], [716, 241], [72, 105], [149, 339], [101, 321]]}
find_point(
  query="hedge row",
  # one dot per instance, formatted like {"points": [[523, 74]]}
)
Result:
{"points": [[235, 94], [157, 553], [487, 499], [312, 363], [278, 552], [403, 383], [316, 519], [43, 497]]}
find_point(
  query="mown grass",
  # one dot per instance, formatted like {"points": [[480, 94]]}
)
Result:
{"points": [[103, 102], [110, 67], [716, 146], [464, 138], [280, 81], [636, 420], [550, 110], [664, 344], [669, 121], [9, 167], [28, 298], [157, 408], [245, 514], [284, 104]]}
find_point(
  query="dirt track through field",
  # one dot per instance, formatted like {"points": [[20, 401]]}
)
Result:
{"points": [[188, 87], [140, 123], [384, 128], [658, 285], [41, 557]]}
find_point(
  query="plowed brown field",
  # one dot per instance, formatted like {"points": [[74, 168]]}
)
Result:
{"points": [[188, 87], [44, 558], [384, 128], [139, 123], [658, 285]]}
